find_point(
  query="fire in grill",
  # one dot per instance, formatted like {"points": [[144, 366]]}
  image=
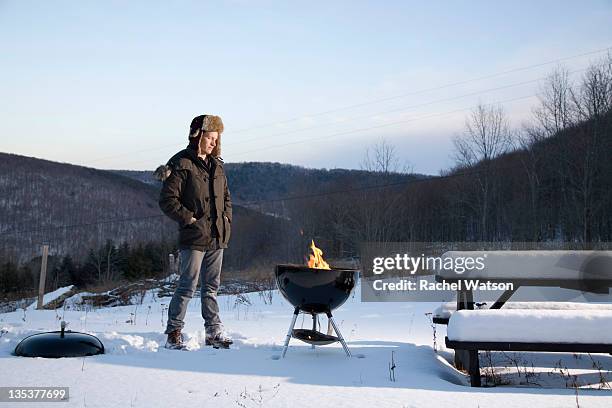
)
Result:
{"points": [[314, 290]]}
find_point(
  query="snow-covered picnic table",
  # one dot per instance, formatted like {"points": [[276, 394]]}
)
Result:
{"points": [[589, 271], [565, 329]]}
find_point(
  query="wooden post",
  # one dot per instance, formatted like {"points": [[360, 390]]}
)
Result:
{"points": [[43, 275]]}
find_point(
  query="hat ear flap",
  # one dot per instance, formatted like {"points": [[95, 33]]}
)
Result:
{"points": [[196, 125], [194, 142], [194, 132]]}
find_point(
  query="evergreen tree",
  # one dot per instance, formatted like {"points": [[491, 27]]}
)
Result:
{"points": [[9, 277]]}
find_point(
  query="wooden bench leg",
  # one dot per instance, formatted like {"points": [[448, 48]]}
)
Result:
{"points": [[474, 368], [465, 300], [462, 359]]}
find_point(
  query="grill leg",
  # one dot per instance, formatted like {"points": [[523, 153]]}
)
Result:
{"points": [[314, 327], [344, 346], [290, 332]]}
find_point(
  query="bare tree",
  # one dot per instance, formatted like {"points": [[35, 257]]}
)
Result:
{"points": [[582, 158], [382, 158], [593, 99], [526, 140], [376, 213], [554, 113], [111, 260], [486, 137], [578, 116]]}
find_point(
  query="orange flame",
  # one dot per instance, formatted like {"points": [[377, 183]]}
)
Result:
{"points": [[316, 259]]}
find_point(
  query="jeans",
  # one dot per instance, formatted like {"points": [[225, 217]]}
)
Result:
{"points": [[195, 265]]}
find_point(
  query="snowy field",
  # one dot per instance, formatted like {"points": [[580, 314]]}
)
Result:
{"points": [[137, 371]]}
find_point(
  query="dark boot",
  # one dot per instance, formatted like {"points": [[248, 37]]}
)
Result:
{"points": [[175, 340], [218, 340]]}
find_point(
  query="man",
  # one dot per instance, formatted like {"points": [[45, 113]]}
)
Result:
{"points": [[195, 194]]}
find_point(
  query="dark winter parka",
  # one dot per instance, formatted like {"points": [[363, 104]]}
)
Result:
{"points": [[187, 192]]}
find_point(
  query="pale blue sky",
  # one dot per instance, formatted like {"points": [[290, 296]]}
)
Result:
{"points": [[115, 84]]}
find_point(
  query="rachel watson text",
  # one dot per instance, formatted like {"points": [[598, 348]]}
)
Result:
{"points": [[424, 285]]}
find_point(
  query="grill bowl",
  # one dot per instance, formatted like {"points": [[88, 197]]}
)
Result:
{"points": [[315, 290]]}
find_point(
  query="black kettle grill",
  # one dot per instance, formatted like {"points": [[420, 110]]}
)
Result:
{"points": [[315, 291]]}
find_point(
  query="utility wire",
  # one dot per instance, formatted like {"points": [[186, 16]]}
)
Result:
{"points": [[377, 126], [367, 128], [309, 140], [448, 85], [407, 108], [349, 132], [274, 200], [555, 61]]}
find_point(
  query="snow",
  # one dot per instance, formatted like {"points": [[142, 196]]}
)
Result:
{"points": [[51, 296], [137, 371], [533, 264], [550, 326], [446, 309], [76, 301]]}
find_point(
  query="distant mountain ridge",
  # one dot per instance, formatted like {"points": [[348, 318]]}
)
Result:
{"points": [[260, 181], [76, 208], [71, 207]]}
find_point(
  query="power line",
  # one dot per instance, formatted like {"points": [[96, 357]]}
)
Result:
{"points": [[344, 133], [410, 107], [448, 85], [378, 126], [370, 128], [488, 76], [390, 111]]}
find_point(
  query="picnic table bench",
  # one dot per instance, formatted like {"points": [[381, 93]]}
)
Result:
{"points": [[577, 331]]}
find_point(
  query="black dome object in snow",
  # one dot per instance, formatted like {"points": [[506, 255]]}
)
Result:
{"points": [[59, 344]]}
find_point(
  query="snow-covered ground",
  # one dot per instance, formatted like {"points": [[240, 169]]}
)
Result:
{"points": [[137, 371]]}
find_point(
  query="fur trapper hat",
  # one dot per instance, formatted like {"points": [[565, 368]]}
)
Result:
{"points": [[205, 123], [199, 124]]}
